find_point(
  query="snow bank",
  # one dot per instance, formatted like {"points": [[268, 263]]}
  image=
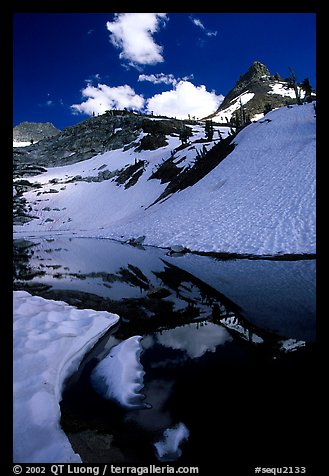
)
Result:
{"points": [[119, 376], [50, 340], [168, 448]]}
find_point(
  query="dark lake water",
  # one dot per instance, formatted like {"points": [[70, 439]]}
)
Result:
{"points": [[227, 349]]}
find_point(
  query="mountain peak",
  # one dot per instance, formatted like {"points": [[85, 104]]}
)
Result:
{"points": [[258, 90], [257, 70]]}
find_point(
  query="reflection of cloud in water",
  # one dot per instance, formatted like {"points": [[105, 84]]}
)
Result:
{"points": [[168, 448], [194, 339], [156, 417]]}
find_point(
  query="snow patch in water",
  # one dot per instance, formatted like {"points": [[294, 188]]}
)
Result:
{"points": [[120, 375]]}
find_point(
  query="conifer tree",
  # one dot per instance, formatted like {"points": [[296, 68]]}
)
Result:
{"points": [[267, 108], [307, 88], [209, 130], [293, 83], [184, 134]]}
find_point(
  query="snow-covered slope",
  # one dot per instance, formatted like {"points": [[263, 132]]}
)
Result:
{"points": [[95, 194], [260, 199]]}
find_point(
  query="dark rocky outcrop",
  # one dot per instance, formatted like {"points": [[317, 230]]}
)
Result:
{"points": [[97, 135], [153, 142], [257, 74]]}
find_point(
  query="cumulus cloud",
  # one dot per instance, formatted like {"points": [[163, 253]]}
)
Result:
{"points": [[101, 98], [185, 99], [182, 100], [132, 34], [197, 22]]}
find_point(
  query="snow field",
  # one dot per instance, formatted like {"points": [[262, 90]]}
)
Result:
{"points": [[259, 200], [50, 340]]}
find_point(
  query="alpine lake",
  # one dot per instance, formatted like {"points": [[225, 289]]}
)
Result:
{"points": [[228, 348]]}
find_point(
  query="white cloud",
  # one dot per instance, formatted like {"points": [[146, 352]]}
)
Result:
{"points": [[197, 22], [132, 33], [161, 78], [103, 98], [183, 100], [158, 78], [47, 103]]}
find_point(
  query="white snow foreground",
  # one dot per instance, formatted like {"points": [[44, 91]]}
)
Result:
{"points": [[259, 200], [50, 340], [119, 376]]}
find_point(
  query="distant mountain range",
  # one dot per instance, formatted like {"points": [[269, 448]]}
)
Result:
{"points": [[34, 131]]}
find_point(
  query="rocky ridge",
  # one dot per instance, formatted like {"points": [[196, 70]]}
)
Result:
{"points": [[96, 135], [259, 91]]}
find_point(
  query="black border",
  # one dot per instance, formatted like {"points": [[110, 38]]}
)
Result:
{"points": [[6, 81]]}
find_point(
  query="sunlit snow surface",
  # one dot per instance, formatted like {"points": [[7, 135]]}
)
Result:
{"points": [[283, 90], [226, 114], [50, 340], [260, 199], [22, 144], [119, 376]]}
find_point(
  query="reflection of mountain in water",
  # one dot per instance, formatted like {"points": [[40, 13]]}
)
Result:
{"points": [[214, 345], [150, 289]]}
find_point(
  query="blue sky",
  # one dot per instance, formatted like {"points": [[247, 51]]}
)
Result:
{"points": [[69, 66]]}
